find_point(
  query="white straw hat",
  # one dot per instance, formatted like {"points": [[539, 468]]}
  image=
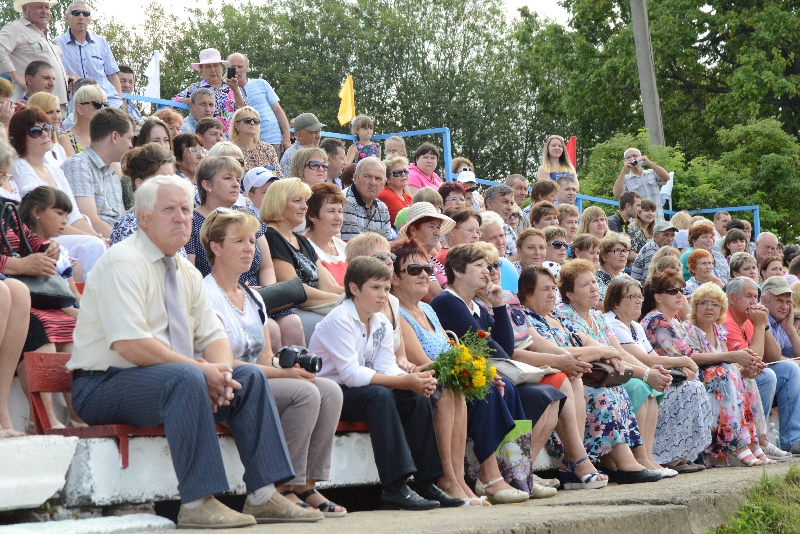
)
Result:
{"points": [[19, 3], [423, 210]]}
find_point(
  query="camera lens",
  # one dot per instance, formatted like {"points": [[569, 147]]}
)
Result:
{"points": [[310, 362]]}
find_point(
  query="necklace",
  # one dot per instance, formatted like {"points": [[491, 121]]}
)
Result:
{"points": [[237, 310]]}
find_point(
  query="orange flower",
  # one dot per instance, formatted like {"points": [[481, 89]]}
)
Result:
{"points": [[482, 334]]}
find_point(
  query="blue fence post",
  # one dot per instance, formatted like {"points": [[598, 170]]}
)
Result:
{"points": [[757, 221], [448, 155]]}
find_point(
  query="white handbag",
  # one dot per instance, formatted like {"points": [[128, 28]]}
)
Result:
{"points": [[520, 372]]}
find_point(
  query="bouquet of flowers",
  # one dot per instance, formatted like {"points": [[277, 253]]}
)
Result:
{"points": [[463, 367]]}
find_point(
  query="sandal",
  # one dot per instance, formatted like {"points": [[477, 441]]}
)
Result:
{"points": [[328, 508], [482, 502], [774, 453], [546, 482], [507, 496], [571, 481], [300, 504], [758, 453]]}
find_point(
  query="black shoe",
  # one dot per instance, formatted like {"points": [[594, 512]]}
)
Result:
{"points": [[432, 492], [406, 499], [634, 477]]}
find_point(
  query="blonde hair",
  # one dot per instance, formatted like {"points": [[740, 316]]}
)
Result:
{"points": [[216, 226], [46, 101], [427, 194], [681, 220], [274, 205], [7, 155], [706, 291], [489, 250], [564, 162], [234, 131], [796, 295], [611, 239], [301, 158], [664, 252], [566, 210], [361, 244], [226, 148], [590, 214], [359, 122], [488, 218], [392, 161]]}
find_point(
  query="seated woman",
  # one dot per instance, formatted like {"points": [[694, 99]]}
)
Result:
{"points": [[568, 217], [426, 225], [468, 277], [323, 222], [52, 108], [641, 227], [309, 406], [454, 195], [593, 221], [226, 148], [292, 254], [531, 249], [556, 253], [701, 266], [744, 264], [735, 241], [489, 420], [467, 230], [310, 164], [771, 266], [154, 130], [663, 258], [701, 235], [586, 247], [734, 432], [393, 193], [611, 431], [189, 152], [172, 119], [354, 343], [543, 214], [614, 249], [684, 416]]}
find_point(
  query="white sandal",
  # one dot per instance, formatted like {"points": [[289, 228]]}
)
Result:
{"points": [[506, 496]]}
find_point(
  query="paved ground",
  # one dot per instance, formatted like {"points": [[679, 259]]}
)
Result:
{"points": [[689, 503]]}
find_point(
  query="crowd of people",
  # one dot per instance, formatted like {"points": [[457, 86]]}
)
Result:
{"points": [[173, 223]]}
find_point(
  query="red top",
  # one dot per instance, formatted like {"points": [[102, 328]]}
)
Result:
{"points": [[739, 337], [393, 202]]}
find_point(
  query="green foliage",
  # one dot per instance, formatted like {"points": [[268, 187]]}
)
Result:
{"points": [[773, 506]]}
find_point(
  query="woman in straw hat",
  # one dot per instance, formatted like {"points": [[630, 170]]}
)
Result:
{"points": [[426, 225]]}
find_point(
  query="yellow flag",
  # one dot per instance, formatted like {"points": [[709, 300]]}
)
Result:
{"points": [[347, 109]]}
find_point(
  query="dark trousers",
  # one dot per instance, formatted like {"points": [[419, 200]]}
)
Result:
{"points": [[490, 419], [401, 430], [176, 395]]}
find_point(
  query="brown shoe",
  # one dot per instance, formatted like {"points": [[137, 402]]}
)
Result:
{"points": [[213, 514], [279, 509]]}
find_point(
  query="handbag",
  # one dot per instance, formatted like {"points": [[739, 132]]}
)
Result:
{"points": [[604, 375], [521, 372], [677, 376], [283, 295], [47, 292]]}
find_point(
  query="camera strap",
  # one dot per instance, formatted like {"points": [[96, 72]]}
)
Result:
{"points": [[252, 296]]}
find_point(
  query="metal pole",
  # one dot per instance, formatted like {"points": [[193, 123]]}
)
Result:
{"points": [[647, 72]]}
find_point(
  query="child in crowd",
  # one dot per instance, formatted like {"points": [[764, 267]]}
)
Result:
{"points": [[362, 127], [395, 146]]}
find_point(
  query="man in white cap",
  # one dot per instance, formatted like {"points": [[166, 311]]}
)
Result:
{"points": [[307, 130], [24, 41], [255, 185]]}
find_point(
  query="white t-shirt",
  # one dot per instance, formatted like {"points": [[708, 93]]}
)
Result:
{"points": [[245, 332], [625, 336]]}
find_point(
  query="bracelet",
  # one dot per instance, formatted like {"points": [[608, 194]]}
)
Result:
{"points": [[646, 375]]}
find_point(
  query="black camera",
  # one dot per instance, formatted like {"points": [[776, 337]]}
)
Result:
{"points": [[289, 356], [634, 163]]}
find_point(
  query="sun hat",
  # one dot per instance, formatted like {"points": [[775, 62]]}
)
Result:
{"points": [[256, 177], [307, 121], [423, 210], [467, 177], [777, 285], [19, 3], [209, 56]]}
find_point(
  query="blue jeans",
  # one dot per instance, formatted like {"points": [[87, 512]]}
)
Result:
{"points": [[787, 388]]}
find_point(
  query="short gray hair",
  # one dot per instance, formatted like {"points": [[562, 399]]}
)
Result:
{"points": [[497, 191], [201, 92], [766, 234], [146, 194], [488, 218], [366, 162], [566, 178], [226, 148], [736, 285]]}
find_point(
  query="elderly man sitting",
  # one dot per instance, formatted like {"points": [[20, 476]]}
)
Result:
{"points": [[766, 246], [663, 234], [500, 199], [363, 212], [166, 360]]}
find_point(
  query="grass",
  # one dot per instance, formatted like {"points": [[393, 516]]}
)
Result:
{"points": [[772, 507]]}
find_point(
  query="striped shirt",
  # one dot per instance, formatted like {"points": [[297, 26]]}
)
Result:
{"points": [[358, 218], [91, 59]]}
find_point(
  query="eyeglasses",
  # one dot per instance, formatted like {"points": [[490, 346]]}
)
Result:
{"points": [[198, 150], [415, 269], [455, 199], [224, 211], [78, 13], [471, 231], [471, 189], [36, 131], [383, 256], [634, 297], [463, 169], [493, 266], [709, 304], [558, 245], [250, 120], [619, 251], [96, 103], [515, 215], [241, 162], [399, 172], [317, 165], [673, 291]]}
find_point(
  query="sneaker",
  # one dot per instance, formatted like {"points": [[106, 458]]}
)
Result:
{"points": [[774, 453], [795, 448], [213, 514], [279, 509]]}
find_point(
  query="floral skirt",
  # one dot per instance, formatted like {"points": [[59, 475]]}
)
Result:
{"points": [[609, 421], [759, 415], [684, 423], [733, 421]]}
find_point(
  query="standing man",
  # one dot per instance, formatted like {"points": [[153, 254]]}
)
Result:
{"points": [[202, 104], [629, 205], [126, 84], [24, 41], [259, 95], [87, 55], [519, 184], [94, 183], [500, 199], [647, 183], [363, 212], [307, 130]]}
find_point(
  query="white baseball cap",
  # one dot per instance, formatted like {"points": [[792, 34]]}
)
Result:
{"points": [[467, 177], [256, 177]]}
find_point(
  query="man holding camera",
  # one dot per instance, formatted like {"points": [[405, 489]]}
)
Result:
{"points": [[633, 177]]}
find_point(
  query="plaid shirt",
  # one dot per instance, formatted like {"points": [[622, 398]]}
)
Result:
{"points": [[641, 264], [88, 176], [358, 219], [511, 240]]}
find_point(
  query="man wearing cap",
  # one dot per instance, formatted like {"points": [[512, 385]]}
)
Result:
{"points": [[751, 325], [468, 179], [201, 106], [307, 130], [663, 234], [647, 183], [88, 55], [24, 41], [255, 185], [228, 97], [500, 199], [363, 212]]}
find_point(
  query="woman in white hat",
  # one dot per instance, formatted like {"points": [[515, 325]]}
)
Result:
{"points": [[426, 225], [226, 90]]}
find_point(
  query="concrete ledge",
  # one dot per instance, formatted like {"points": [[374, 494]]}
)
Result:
{"points": [[100, 525], [33, 469]]}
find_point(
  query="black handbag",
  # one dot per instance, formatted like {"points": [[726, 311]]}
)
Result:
{"points": [[283, 295], [604, 375], [47, 293], [677, 376]]}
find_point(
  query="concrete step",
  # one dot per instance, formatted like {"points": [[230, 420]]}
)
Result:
{"points": [[99, 525]]}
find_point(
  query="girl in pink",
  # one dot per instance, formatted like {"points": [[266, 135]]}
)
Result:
{"points": [[363, 128], [420, 173]]}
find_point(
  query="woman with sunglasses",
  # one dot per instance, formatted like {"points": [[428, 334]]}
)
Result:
{"points": [[684, 416], [52, 108], [613, 257], [394, 192], [426, 226], [556, 253], [593, 221], [89, 99], [310, 164], [245, 133]]}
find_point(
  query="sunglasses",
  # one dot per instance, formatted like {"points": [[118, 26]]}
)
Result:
{"points": [[493, 266], [250, 120], [36, 131], [471, 189], [400, 172], [515, 215], [558, 244], [415, 269], [317, 165], [455, 199], [462, 169], [224, 211], [96, 103], [383, 256], [198, 150], [241, 162], [673, 291], [78, 13]]}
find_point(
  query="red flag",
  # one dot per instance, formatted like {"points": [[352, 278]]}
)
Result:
{"points": [[572, 151]]}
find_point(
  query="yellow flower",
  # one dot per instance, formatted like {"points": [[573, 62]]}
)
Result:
{"points": [[492, 372], [479, 381]]}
